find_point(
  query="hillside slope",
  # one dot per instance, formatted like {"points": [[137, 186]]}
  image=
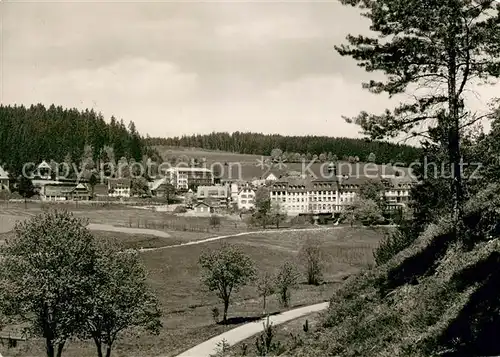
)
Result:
{"points": [[438, 297], [263, 144], [36, 133]]}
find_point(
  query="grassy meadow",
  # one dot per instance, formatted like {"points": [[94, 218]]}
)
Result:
{"points": [[187, 227], [210, 155]]}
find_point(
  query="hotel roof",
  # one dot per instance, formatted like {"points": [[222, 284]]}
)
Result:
{"points": [[189, 169], [316, 171]]}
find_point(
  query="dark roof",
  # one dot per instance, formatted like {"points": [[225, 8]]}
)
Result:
{"points": [[292, 185], [202, 203], [209, 202], [120, 181], [247, 172], [324, 185]]}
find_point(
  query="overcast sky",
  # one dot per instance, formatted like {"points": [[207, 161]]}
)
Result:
{"points": [[190, 67]]}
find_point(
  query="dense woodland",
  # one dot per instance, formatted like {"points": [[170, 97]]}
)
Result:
{"points": [[38, 133], [264, 144]]}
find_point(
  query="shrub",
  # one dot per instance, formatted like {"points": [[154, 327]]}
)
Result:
{"points": [[215, 314], [305, 327], [214, 221], [264, 342], [395, 242], [180, 209], [225, 270], [244, 349], [222, 348], [296, 341]]}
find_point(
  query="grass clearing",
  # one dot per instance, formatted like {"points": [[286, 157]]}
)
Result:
{"points": [[210, 155], [175, 276], [125, 216]]}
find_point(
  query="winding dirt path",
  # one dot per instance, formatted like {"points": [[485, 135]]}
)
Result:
{"points": [[110, 228], [212, 239]]}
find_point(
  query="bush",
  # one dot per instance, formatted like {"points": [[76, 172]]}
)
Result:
{"points": [[395, 242], [215, 314], [264, 342], [244, 349], [305, 327], [222, 348], [214, 221], [301, 220]]}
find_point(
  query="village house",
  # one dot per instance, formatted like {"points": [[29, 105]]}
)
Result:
{"points": [[219, 195], [203, 208], [119, 187], [161, 188], [183, 178], [245, 198], [43, 171], [63, 191], [398, 190], [266, 179]]}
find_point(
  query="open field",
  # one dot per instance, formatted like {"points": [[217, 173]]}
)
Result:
{"points": [[124, 216], [137, 241], [174, 274]]}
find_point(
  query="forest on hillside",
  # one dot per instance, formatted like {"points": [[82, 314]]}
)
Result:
{"points": [[295, 147], [36, 133]]}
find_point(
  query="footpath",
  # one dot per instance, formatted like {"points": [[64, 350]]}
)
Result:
{"points": [[243, 332]]}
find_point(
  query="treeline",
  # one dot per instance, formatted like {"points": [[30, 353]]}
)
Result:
{"points": [[38, 133], [263, 144]]}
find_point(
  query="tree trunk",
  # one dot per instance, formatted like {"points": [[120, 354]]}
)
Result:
{"points": [[60, 349], [49, 347], [98, 346], [264, 305], [108, 351], [453, 129], [226, 306], [285, 298]]}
